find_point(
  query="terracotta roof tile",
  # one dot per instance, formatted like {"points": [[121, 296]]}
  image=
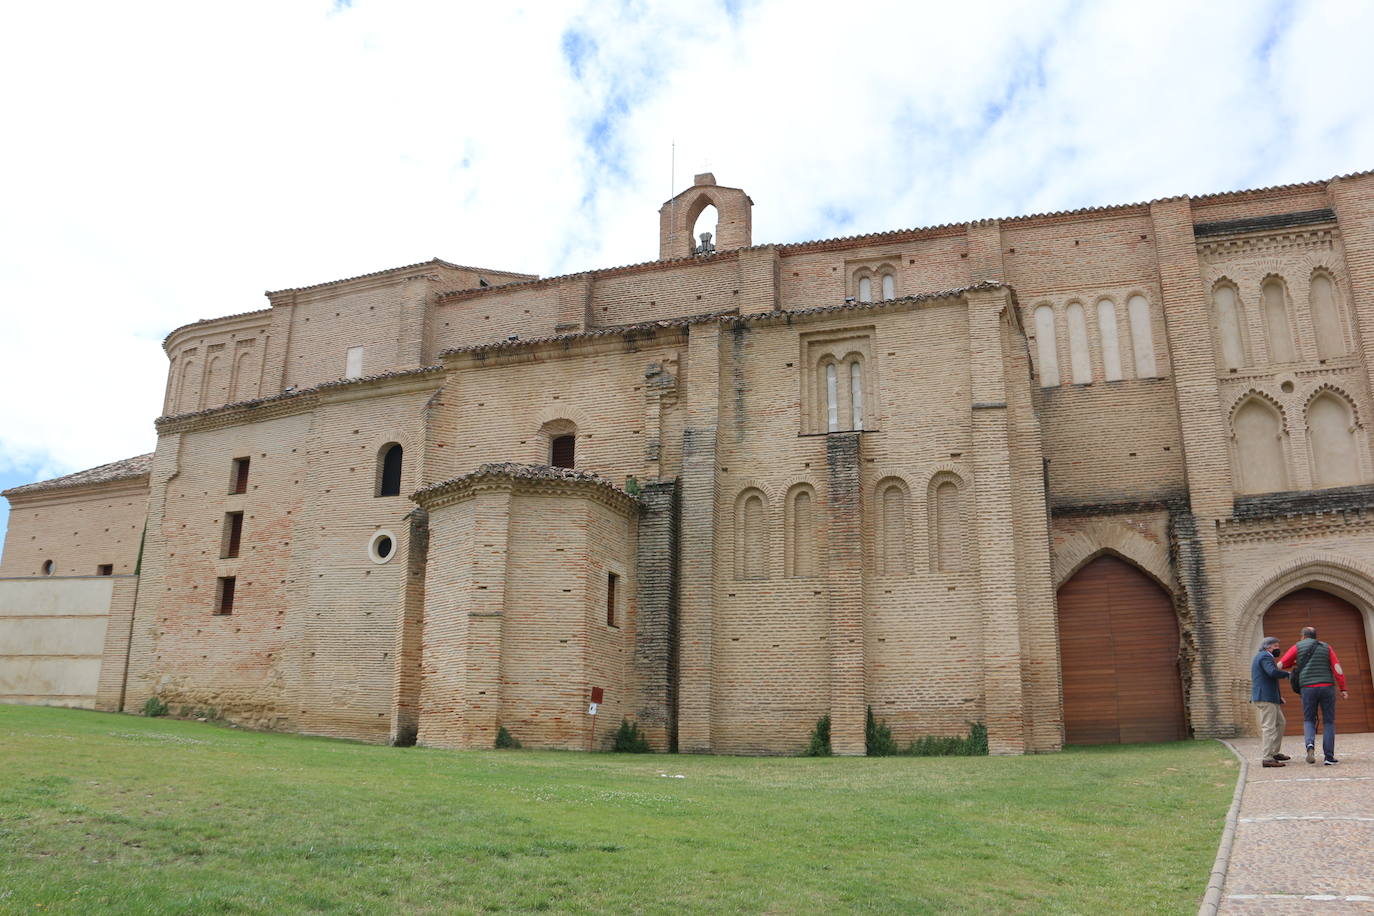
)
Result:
{"points": [[126, 469], [520, 472], [432, 262]]}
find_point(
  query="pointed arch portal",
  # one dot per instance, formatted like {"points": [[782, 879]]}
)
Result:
{"points": [[1118, 652], [1340, 625]]}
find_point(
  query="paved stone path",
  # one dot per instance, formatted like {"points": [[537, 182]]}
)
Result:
{"points": [[1305, 836]]}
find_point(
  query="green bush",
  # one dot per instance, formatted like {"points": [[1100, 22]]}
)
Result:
{"points": [[974, 745], [154, 707], [819, 745], [629, 739], [505, 739], [878, 738]]}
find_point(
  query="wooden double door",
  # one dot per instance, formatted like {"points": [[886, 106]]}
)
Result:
{"points": [[1340, 625], [1118, 652]]}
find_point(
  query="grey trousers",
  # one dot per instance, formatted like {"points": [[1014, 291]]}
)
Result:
{"points": [[1271, 726]]}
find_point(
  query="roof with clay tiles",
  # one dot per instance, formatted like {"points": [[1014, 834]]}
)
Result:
{"points": [[882, 236], [512, 471], [721, 316], [125, 469], [432, 262]]}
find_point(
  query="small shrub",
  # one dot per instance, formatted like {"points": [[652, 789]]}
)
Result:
{"points": [[974, 745], [878, 737], [154, 707], [819, 745], [629, 739], [505, 739]]}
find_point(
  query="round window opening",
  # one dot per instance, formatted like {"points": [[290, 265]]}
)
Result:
{"points": [[382, 546]]}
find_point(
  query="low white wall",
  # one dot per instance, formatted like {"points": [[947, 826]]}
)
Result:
{"points": [[52, 637]]}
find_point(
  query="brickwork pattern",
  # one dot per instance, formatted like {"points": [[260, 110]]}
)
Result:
{"points": [[323, 639]]}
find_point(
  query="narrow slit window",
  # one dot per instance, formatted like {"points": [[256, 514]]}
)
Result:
{"points": [[233, 535], [611, 581], [856, 396], [224, 595], [389, 473], [563, 451], [832, 399], [238, 476]]}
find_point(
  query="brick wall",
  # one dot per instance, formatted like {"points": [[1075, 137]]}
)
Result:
{"points": [[77, 528]]}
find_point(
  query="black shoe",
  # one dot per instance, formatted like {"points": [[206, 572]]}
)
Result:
{"points": [[1282, 757], [1330, 761], [1311, 754]]}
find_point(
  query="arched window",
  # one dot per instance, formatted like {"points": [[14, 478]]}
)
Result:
{"points": [[865, 289], [1142, 336], [47, 567], [856, 395], [1258, 455], [889, 286], [751, 536], [893, 530], [832, 398], [1230, 324], [1326, 316], [802, 555], [1111, 340], [1278, 332], [389, 470], [949, 524], [1079, 358], [562, 451], [1045, 346], [1331, 437]]}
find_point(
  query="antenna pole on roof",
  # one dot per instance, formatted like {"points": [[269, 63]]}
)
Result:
{"points": [[672, 192]]}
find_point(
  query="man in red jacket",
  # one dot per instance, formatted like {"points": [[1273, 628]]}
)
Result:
{"points": [[1317, 671]]}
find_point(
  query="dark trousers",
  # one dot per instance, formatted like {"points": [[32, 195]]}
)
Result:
{"points": [[1323, 698]]}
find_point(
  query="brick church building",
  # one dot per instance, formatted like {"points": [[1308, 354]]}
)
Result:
{"points": [[1056, 474]]}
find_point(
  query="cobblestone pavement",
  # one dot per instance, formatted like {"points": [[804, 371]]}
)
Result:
{"points": [[1305, 837]]}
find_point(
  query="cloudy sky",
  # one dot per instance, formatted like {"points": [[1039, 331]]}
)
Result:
{"points": [[164, 162]]}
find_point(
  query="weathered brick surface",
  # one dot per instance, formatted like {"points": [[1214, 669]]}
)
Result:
{"points": [[78, 529], [463, 631]]}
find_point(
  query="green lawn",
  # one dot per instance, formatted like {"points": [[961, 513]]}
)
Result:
{"points": [[108, 813]]}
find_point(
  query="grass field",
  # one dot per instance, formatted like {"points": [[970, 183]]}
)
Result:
{"points": [[107, 813]]}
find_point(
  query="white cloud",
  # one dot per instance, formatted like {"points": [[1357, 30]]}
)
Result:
{"points": [[168, 162]]}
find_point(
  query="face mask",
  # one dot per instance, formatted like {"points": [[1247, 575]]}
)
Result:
{"points": [[1274, 652]]}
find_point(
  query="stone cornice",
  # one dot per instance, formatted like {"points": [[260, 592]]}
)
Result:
{"points": [[255, 411], [1298, 526], [260, 319], [720, 257], [425, 378], [525, 479], [293, 402], [578, 343], [108, 489]]}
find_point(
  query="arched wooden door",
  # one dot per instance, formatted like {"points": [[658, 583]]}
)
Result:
{"points": [[1340, 624], [1118, 649]]}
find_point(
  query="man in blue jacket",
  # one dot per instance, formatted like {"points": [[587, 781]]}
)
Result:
{"points": [[1265, 675]]}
